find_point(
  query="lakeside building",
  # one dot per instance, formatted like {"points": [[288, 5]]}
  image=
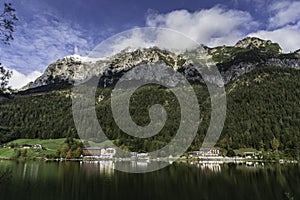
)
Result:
{"points": [[252, 155], [205, 152], [139, 155], [95, 152], [26, 146], [37, 146]]}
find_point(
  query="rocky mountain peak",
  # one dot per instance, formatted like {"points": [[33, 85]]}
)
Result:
{"points": [[254, 42], [76, 68]]}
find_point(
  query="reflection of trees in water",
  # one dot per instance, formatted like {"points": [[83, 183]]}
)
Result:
{"points": [[5, 175]]}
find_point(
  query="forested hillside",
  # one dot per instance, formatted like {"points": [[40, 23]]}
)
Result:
{"points": [[263, 109]]}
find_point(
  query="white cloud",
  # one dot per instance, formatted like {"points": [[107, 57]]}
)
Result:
{"points": [[288, 37], [284, 13], [143, 38], [215, 26], [134, 38], [181, 29], [19, 80], [42, 39], [212, 27]]}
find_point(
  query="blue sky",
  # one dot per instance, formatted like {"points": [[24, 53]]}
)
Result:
{"points": [[51, 29]]}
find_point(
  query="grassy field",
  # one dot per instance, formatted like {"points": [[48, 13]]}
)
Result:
{"points": [[51, 146], [6, 153]]}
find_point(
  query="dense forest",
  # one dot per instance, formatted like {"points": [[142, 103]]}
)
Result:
{"points": [[263, 112], [263, 108]]}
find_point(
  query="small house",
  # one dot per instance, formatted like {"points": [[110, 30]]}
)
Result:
{"points": [[209, 151], [91, 152], [96, 152], [252, 155], [133, 154], [194, 153], [37, 146], [26, 146], [111, 151], [205, 152], [142, 155]]}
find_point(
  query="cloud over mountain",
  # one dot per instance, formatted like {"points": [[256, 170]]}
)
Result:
{"points": [[215, 26], [19, 80]]}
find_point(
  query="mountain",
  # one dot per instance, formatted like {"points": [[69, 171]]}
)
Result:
{"points": [[75, 68], [262, 87], [232, 61]]}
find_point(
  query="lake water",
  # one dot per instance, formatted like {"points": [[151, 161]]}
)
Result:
{"points": [[97, 180]]}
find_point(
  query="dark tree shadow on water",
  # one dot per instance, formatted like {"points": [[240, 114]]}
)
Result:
{"points": [[5, 175]]}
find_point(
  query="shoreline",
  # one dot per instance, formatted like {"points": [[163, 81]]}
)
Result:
{"points": [[181, 159]]}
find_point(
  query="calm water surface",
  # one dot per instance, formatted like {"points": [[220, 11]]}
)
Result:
{"points": [[78, 180]]}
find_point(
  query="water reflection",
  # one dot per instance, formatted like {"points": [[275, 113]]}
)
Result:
{"points": [[104, 166], [254, 164], [30, 170], [141, 165], [211, 167], [189, 180], [5, 175], [107, 166], [208, 166]]}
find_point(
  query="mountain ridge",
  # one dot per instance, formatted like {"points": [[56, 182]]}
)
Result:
{"points": [[232, 61]]}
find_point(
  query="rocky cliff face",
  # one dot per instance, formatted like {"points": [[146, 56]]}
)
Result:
{"points": [[75, 68], [232, 62]]}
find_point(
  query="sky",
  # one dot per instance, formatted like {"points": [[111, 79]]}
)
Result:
{"points": [[51, 29]]}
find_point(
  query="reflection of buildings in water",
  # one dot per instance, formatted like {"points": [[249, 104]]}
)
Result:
{"points": [[31, 170], [139, 164], [103, 166], [214, 167], [106, 166], [253, 164], [209, 166], [24, 170]]}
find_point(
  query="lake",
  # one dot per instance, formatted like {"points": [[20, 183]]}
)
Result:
{"points": [[97, 180]]}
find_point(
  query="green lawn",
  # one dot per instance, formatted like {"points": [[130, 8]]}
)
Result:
{"points": [[6, 153], [51, 146]]}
